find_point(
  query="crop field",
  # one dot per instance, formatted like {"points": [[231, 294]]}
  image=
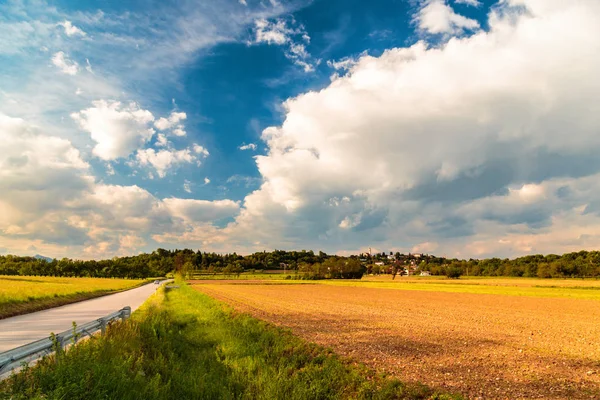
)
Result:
{"points": [[529, 287], [23, 294], [482, 345]]}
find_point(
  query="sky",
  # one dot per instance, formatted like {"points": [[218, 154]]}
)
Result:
{"points": [[463, 128]]}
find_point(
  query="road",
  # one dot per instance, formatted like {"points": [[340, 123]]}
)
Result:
{"points": [[23, 329]]}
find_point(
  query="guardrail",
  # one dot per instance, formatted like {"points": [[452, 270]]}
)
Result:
{"points": [[12, 359]]}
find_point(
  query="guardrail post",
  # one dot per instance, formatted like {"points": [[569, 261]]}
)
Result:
{"points": [[102, 326], [126, 313]]}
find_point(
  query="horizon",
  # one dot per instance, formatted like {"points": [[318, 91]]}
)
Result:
{"points": [[459, 127], [378, 252]]}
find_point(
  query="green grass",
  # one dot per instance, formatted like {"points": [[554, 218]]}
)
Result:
{"points": [[25, 294], [184, 345]]}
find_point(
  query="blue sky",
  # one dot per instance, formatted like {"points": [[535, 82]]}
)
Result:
{"points": [[457, 127]]}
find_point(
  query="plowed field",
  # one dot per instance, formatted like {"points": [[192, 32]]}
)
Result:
{"points": [[481, 345]]}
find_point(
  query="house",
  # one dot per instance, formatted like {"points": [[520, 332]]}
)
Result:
{"points": [[425, 273]]}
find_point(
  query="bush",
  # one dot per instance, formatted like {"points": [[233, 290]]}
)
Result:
{"points": [[453, 272]]}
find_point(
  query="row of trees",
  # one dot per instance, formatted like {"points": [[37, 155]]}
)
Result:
{"points": [[332, 268], [159, 263], [571, 265], [305, 264]]}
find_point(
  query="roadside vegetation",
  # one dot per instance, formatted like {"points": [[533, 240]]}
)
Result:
{"points": [[25, 294], [184, 345]]}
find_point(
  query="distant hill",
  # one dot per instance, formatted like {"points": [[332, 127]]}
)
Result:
{"points": [[47, 259]]}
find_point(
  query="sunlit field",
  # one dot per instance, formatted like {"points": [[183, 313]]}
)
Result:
{"points": [[530, 287], [483, 338], [22, 294]]}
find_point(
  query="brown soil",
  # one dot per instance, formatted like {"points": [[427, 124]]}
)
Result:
{"points": [[483, 346]]}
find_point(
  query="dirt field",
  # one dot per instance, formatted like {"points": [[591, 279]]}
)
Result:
{"points": [[481, 345]]}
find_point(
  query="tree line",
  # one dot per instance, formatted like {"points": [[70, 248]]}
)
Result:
{"points": [[159, 263], [570, 265], [305, 265]]}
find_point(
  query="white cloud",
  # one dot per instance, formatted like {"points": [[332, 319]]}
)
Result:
{"points": [[161, 140], [191, 210], [206, 181], [280, 33], [88, 66], [40, 175], [71, 30], [62, 62], [187, 186], [249, 146], [474, 3], [437, 17], [164, 159], [117, 129], [272, 32], [419, 138], [344, 64], [200, 150], [243, 2], [174, 120]]}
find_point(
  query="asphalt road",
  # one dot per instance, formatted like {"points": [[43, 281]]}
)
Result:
{"points": [[23, 329]]}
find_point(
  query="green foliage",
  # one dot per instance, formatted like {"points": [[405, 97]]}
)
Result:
{"points": [[453, 272], [571, 265], [188, 347]]}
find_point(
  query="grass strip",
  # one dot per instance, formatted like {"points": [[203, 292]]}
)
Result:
{"points": [[184, 345]]}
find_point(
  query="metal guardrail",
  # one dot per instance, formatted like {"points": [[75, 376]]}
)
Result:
{"points": [[12, 359]]}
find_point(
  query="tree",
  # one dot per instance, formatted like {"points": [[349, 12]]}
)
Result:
{"points": [[453, 271]]}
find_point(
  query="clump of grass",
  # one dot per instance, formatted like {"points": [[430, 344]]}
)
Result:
{"points": [[184, 345]]}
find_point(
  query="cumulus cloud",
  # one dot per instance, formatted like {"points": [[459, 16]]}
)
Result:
{"points": [[201, 210], [48, 198], [66, 66], [165, 159], [173, 123], [200, 150], [419, 138], [249, 146], [40, 176], [437, 17], [71, 30], [117, 129]]}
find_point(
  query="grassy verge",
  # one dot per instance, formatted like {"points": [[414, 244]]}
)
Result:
{"points": [[25, 294], [184, 345]]}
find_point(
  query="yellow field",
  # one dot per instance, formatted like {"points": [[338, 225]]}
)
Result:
{"points": [[528, 287], [22, 294]]}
